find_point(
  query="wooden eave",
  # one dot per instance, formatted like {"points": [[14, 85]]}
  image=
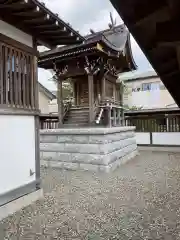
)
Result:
{"points": [[34, 18], [151, 112], [155, 27], [96, 48]]}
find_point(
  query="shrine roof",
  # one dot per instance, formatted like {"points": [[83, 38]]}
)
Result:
{"points": [[110, 42], [34, 18]]}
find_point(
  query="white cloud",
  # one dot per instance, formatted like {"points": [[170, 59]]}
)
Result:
{"points": [[84, 15]]}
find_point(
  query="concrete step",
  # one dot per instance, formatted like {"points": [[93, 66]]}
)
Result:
{"points": [[78, 112], [77, 117], [73, 125], [75, 121]]}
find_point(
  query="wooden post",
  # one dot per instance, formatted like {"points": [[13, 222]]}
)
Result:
{"points": [[103, 88], [60, 102], [121, 99], [114, 117], [109, 117], [75, 93], [91, 97], [119, 116], [114, 92]]}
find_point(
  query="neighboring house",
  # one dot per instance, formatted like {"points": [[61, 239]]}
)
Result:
{"points": [[53, 106], [145, 90], [45, 98]]}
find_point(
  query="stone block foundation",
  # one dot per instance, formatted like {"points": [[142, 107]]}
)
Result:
{"points": [[93, 149]]}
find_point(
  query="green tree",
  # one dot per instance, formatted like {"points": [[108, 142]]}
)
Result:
{"points": [[66, 86]]}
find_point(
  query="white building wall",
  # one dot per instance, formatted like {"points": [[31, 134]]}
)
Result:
{"points": [[17, 141], [43, 103], [157, 98], [143, 138], [158, 138], [16, 34], [170, 138], [53, 106]]}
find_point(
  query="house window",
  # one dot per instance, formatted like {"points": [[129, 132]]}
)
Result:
{"points": [[150, 86], [146, 86]]}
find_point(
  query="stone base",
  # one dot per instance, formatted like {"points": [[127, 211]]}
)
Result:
{"points": [[18, 204], [93, 149]]}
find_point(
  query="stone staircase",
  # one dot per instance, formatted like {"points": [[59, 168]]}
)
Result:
{"points": [[77, 117]]}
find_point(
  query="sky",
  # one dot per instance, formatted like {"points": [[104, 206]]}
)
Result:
{"points": [[84, 15]]}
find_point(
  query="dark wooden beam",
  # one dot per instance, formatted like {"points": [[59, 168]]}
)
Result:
{"points": [[178, 56], [54, 32], [46, 26], [167, 66], [168, 76], [167, 32], [162, 14], [39, 20], [32, 12], [13, 5], [174, 8], [148, 7], [67, 41]]}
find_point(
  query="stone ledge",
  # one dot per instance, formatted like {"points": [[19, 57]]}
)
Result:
{"points": [[83, 148], [91, 167], [18, 204], [87, 157], [91, 149], [89, 139], [86, 131]]}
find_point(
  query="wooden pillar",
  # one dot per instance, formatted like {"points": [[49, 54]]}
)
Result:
{"points": [[109, 124], [75, 93], [121, 99], [91, 97], [114, 92], [119, 116], [60, 102], [114, 117], [103, 88]]}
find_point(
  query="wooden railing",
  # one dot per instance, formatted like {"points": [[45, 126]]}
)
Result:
{"points": [[143, 123], [154, 123], [67, 107], [49, 121], [110, 112]]}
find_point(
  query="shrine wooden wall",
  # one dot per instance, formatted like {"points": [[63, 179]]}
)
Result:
{"points": [[81, 92]]}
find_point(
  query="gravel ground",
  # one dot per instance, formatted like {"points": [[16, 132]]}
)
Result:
{"points": [[141, 200]]}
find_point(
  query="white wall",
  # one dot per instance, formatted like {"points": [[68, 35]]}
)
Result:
{"points": [[157, 98], [17, 151], [170, 138], [158, 138], [53, 106], [43, 103], [143, 138], [16, 34]]}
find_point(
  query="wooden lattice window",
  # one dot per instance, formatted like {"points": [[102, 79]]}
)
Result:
{"points": [[17, 79]]}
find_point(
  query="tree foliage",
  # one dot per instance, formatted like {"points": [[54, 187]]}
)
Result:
{"points": [[66, 87]]}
